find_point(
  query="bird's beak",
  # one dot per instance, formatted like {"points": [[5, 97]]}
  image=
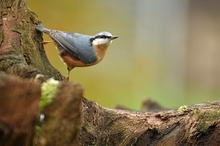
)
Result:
{"points": [[114, 37]]}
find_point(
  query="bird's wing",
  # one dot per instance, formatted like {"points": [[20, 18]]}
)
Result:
{"points": [[79, 47]]}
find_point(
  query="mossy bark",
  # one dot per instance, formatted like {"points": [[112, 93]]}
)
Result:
{"points": [[71, 119], [195, 125], [21, 49]]}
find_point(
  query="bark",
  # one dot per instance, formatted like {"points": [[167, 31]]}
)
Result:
{"points": [[21, 48], [196, 125], [71, 119], [19, 110], [63, 118]]}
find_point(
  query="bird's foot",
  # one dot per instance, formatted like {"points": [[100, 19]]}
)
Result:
{"points": [[68, 78]]}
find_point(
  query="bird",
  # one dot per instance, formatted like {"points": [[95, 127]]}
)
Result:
{"points": [[78, 50]]}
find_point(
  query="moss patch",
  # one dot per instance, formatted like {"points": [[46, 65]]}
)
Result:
{"points": [[48, 91], [206, 119]]}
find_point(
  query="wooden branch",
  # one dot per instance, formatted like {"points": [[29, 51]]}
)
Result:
{"points": [[71, 119], [196, 125]]}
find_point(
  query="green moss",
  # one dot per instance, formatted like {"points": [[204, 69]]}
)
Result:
{"points": [[182, 108], [14, 8], [48, 91], [17, 29], [206, 119], [34, 18], [37, 129]]}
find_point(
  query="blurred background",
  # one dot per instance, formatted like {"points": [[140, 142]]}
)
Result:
{"points": [[166, 50]]}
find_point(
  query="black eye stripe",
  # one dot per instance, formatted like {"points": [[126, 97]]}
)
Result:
{"points": [[102, 36], [99, 36]]}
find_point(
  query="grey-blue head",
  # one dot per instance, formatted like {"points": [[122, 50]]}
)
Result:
{"points": [[103, 38]]}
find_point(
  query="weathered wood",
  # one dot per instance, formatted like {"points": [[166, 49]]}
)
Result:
{"points": [[196, 125], [21, 48], [19, 110], [71, 119], [62, 117]]}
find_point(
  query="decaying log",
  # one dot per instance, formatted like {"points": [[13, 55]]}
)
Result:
{"points": [[195, 125], [71, 119]]}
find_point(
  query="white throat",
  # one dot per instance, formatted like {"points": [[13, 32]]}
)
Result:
{"points": [[101, 41]]}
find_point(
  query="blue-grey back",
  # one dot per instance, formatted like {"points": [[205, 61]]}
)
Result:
{"points": [[77, 45]]}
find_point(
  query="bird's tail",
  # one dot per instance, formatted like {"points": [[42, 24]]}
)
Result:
{"points": [[41, 28]]}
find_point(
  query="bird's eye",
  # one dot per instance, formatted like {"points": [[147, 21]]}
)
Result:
{"points": [[103, 37]]}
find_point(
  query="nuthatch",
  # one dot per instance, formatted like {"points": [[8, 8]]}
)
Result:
{"points": [[78, 50]]}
